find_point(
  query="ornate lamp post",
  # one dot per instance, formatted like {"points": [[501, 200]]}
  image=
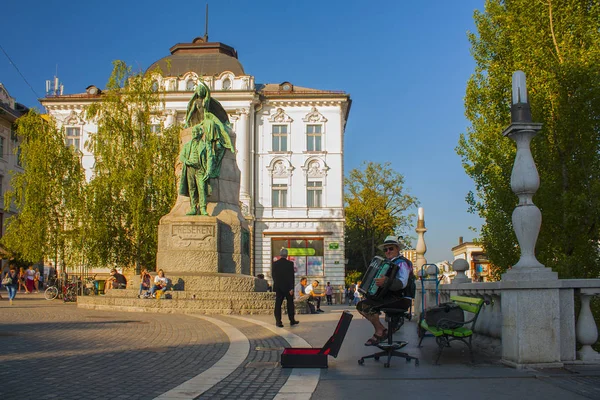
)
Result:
{"points": [[421, 248], [529, 337], [525, 181]]}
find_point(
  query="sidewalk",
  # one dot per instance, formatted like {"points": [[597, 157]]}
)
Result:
{"points": [[52, 350]]}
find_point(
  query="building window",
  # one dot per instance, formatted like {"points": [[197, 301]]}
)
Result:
{"points": [[155, 128], [2, 155], [314, 194], [155, 86], [19, 156], [313, 138], [74, 137], [279, 196], [280, 138], [190, 85], [306, 254]]}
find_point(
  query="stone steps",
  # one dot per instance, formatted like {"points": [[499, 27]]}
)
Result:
{"points": [[183, 302], [195, 295]]}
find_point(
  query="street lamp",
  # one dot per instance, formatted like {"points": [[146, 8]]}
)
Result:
{"points": [[524, 181]]}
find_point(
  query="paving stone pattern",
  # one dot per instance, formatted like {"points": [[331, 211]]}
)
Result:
{"points": [[52, 350], [587, 386], [259, 376]]}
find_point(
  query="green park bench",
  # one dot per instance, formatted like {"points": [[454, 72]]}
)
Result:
{"points": [[447, 331]]}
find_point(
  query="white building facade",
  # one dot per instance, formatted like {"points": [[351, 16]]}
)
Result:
{"points": [[10, 110], [289, 148]]}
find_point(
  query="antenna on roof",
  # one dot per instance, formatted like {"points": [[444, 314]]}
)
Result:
{"points": [[206, 26], [54, 87]]}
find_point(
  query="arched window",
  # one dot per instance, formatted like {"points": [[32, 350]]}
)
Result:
{"points": [[190, 85]]}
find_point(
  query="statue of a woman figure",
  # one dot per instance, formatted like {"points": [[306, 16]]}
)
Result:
{"points": [[202, 156]]}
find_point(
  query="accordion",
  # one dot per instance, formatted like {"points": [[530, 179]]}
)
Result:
{"points": [[379, 268]]}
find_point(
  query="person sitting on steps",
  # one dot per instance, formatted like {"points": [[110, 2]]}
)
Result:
{"points": [[116, 280], [313, 296], [160, 283]]}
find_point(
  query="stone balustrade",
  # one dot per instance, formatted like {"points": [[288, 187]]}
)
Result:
{"points": [[574, 331]]}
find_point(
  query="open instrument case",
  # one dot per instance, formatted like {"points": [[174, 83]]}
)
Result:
{"points": [[302, 357]]}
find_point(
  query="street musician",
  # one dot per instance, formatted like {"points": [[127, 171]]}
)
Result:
{"points": [[399, 293]]}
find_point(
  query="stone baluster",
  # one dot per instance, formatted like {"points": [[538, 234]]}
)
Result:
{"points": [[496, 311], [587, 332]]}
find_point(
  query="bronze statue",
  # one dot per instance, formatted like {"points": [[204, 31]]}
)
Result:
{"points": [[202, 156]]}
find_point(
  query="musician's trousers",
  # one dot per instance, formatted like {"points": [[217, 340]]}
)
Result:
{"points": [[289, 299], [372, 306]]}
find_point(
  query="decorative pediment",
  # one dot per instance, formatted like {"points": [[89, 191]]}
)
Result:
{"points": [[280, 116], [5, 97], [280, 168], [74, 118], [315, 168], [157, 119], [314, 116]]}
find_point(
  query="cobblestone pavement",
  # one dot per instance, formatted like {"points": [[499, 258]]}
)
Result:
{"points": [[52, 350], [259, 376]]}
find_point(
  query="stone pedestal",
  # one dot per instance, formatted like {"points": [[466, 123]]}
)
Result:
{"points": [[531, 319], [204, 244], [192, 248]]}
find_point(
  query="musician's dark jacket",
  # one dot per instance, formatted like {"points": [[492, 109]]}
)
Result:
{"points": [[283, 275]]}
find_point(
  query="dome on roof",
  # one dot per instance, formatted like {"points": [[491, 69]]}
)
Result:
{"points": [[203, 58]]}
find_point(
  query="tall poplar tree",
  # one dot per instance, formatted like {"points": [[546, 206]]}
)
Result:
{"points": [[134, 175], [47, 195], [557, 44], [376, 205]]}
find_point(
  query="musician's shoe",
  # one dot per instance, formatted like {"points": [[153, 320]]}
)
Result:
{"points": [[279, 324], [292, 323], [319, 310]]}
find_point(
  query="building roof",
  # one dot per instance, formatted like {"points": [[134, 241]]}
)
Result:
{"points": [[201, 57], [286, 88]]}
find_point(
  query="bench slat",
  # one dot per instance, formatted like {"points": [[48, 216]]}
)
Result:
{"points": [[464, 299]]}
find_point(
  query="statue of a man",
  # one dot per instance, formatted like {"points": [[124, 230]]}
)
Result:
{"points": [[202, 156]]}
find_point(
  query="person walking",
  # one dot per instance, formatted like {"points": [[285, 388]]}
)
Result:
{"points": [[36, 280], [350, 294], [21, 280], [30, 279], [12, 283], [329, 293], [283, 286]]}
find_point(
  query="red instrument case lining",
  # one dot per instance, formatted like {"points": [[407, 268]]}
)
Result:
{"points": [[301, 357]]}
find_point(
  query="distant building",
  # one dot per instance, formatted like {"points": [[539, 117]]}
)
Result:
{"points": [[289, 148], [479, 266], [10, 110]]}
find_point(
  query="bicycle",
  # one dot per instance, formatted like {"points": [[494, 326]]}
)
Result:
{"points": [[53, 289], [68, 291], [89, 287]]}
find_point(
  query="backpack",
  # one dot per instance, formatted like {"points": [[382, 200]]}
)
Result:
{"points": [[450, 311]]}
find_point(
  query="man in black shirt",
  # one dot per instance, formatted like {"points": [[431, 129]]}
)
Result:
{"points": [[116, 280], [283, 286]]}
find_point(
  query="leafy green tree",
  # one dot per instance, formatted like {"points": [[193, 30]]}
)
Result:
{"points": [[376, 206], [134, 175], [557, 44], [48, 195]]}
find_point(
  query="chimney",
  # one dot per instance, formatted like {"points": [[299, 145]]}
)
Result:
{"points": [[460, 240]]}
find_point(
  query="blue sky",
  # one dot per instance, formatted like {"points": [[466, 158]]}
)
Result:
{"points": [[405, 65]]}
